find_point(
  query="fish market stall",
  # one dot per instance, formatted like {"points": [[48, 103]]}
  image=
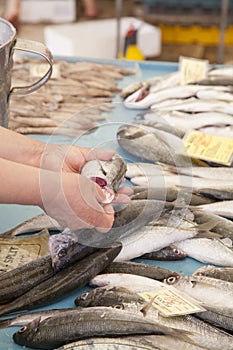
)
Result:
{"points": [[131, 95]]}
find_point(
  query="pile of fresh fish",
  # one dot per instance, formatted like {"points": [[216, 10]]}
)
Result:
{"points": [[162, 169], [206, 106], [180, 207], [74, 100], [114, 314]]}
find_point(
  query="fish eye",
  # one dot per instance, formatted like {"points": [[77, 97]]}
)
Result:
{"points": [[62, 253], [84, 296], [171, 280], [118, 306], [23, 329], [176, 251]]}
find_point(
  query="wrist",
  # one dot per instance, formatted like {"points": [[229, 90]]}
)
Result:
{"points": [[35, 154]]}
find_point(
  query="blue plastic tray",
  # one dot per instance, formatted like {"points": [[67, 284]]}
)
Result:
{"points": [[104, 137]]}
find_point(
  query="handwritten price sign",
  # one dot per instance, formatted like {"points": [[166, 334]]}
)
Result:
{"points": [[217, 149], [170, 303], [192, 69]]}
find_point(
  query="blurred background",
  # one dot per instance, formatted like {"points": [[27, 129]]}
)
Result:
{"points": [[164, 29]]}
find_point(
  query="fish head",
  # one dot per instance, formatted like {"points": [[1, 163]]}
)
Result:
{"points": [[107, 174], [172, 280], [26, 334], [184, 283]]}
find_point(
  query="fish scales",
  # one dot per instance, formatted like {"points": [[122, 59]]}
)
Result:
{"points": [[223, 273], [212, 293], [146, 270], [22, 279], [165, 254], [151, 238], [116, 343], [216, 319], [18, 281], [83, 323], [34, 224], [63, 282], [24, 318], [206, 250], [188, 327], [222, 225]]}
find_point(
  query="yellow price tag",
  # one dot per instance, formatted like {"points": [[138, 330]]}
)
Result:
{"points": [[192, 69], [217, 149], [170, 303]]}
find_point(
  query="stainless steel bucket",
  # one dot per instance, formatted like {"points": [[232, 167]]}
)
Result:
{"points": [[9, 43]]}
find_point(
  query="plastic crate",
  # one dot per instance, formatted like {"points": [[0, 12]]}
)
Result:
{"points": [[194, 34]]}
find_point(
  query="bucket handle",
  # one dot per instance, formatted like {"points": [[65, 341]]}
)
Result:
{"points": [[36, 48]]}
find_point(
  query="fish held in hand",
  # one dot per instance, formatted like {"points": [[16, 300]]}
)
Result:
{"points": [[107, 174]]}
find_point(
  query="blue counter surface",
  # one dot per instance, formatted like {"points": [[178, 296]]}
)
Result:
{"points": [[104, 137]]}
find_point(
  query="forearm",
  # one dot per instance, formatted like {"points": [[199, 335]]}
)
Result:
{"points": [[19, 184], [19, 148]]}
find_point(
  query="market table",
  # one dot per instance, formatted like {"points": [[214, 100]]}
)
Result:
{"points": [[104, 137]]}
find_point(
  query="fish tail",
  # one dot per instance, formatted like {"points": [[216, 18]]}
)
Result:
{"points": [[5, 323]]}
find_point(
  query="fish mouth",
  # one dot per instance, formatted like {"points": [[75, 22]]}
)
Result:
{"points": [[107, 190]]}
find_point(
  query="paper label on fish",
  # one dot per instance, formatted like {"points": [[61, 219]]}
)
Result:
{"points": [[17, 251], [192, 69], [217, 149], [171, 303], [39, 70]]}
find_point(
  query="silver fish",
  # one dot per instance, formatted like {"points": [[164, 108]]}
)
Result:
{"points": [[213, 294], [34, 224], [222, 225], [136, 90], [215, 188], [132, 282], [206, 94], [24, 319], [209, 251], [165, 254], [140, 269], [216, 173], [82, 323], [116, 343], [222, 273], [195, 121], [151, 238], [63, 282], [154, 146], [196, 105], [107, 174], [188, 327], [177, 92], [216, 319], [222, 208], [224, 131]]}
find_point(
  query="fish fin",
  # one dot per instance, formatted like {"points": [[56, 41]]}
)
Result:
{"points": [[204, 230], [227, 242], [168, 168], [208, 234], [5, 323], [207, 226], [34, 324], [144, 310]]}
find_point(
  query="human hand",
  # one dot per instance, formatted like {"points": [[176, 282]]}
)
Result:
{"points": [[69, 158], [76, 202]]}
